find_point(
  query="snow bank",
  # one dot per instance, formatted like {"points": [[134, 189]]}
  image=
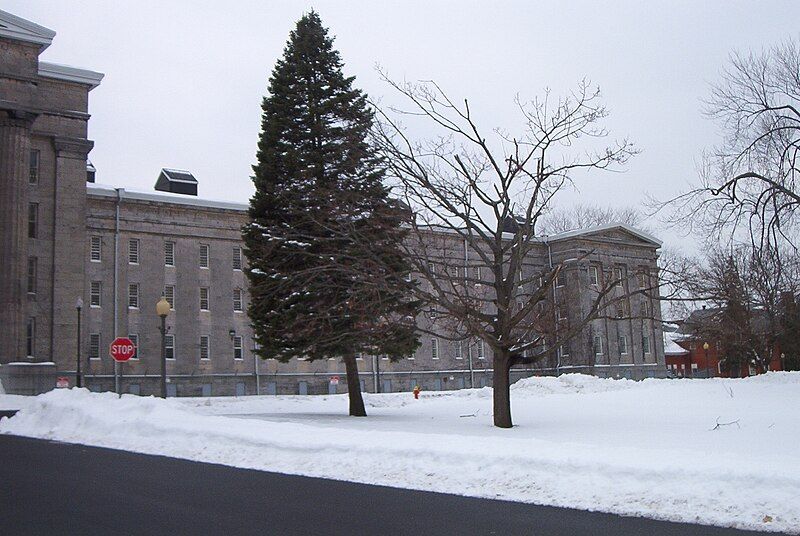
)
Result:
{"points": [[569, 384], [609, 445]]}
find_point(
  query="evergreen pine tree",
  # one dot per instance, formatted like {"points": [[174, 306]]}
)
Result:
{"points": [[327, 277]]}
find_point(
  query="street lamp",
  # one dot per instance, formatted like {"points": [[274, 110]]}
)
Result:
{"points": [[708, 370], [162, 310], [78, 307]]}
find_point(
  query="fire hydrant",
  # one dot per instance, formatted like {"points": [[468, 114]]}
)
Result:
{"points": [[416, 392]]}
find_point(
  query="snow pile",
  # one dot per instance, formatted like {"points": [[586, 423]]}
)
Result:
{"points": [[569, 384], [636, 448]]}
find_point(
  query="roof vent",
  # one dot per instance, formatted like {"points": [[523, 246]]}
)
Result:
{"points": [[177, 182], [90, 171]]}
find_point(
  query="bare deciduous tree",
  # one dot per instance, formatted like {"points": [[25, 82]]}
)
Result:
{"points": [[582, 216], [750, 291], [749, 184], [477, 202]]}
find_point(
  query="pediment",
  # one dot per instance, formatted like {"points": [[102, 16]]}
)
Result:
{"points": [[612, 232]]}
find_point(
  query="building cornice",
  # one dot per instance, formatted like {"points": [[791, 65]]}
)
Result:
{"points": [[70, 74], [19, 29]]}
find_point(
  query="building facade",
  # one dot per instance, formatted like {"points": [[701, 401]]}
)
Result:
{"points": [[66, 238]]}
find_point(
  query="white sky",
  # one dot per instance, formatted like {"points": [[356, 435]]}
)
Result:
{"points": [[184, 79]]}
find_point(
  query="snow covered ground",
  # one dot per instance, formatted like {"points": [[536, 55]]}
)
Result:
{"points": [[638, 448]]}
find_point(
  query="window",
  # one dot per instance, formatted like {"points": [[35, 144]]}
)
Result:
{"points": [[133, 251], [476, 273], [32, 262], [94, 346], [237, 258], [95, 291], [434, 348], [169, 346], [623, 345], [30, 337], [96, 249], [432, 313], [642, 280], [561, 278], [169, 253], [135, 340], [204, 298], [618, 277], [646, 309], [203, 255], [237, 347], [458, 350], [598, 345], [169, 295], [646, 343], [133, 295], [481, 350], [33, 170], [593, 279], [33, 220], [432, 269], [204, 347], [237, 300]]}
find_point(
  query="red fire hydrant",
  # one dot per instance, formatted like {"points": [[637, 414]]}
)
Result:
{"points": [[416, 392]]}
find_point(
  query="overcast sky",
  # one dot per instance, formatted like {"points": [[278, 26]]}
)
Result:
{"points": [[184, 79]]}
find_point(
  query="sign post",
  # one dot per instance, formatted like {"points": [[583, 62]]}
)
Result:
{"points": [[122, 349]]}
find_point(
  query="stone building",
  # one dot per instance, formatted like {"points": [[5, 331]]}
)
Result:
{"points": [[65, 238]]}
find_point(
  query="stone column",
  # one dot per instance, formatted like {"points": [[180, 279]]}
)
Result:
{"points": [[15, 142], [70, 247]]}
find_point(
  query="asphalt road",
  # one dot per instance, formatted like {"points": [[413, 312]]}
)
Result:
{"points": [[58, 488]]}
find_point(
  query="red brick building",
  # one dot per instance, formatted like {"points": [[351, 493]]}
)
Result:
{"points": [[690, 354]]}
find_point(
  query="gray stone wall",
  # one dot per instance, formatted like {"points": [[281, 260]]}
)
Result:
{"points": [[49, 116]]}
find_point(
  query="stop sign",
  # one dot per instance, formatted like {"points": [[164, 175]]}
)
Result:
{"points": [[122, 349]]}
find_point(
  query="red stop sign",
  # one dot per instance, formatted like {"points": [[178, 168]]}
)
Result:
{"points": [[122, 349]]}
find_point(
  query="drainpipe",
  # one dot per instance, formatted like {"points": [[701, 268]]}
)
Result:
{"points": [[255, 371], [469, 350], [555, 316], [116, 283]]}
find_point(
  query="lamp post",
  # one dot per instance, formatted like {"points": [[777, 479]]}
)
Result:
{"points": [[162, 310], [78, 383], [708, 369]]}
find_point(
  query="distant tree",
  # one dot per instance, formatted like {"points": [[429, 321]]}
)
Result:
{"points": [[327, 277], [752, 294], [582, 216], [749, 183], [486, 195]]}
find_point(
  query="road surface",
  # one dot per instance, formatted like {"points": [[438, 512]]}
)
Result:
{"points": [[58, 488]]}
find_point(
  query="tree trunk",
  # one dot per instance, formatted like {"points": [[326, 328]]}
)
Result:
{"points": [[354, 387], [501, 393]]}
